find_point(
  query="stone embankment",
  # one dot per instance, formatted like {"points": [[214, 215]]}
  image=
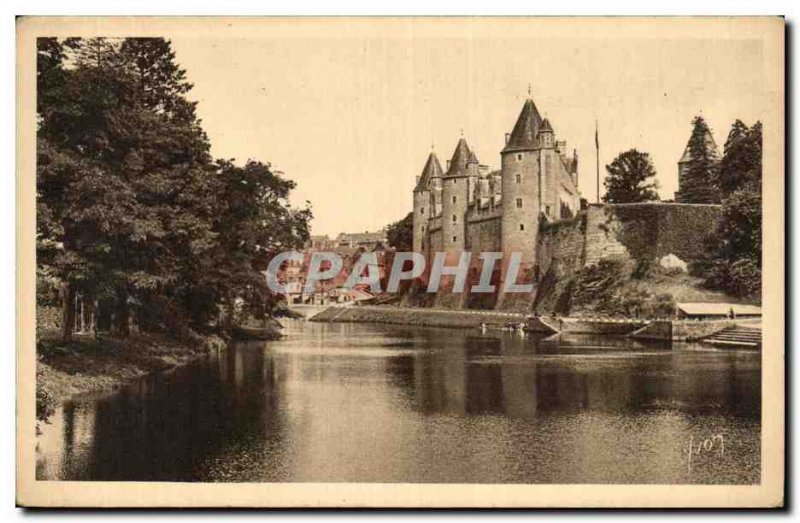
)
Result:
{"points": [[417, 316], [675, 330], [689, 330]]}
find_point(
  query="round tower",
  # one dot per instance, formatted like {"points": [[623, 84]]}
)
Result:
{"points": [[456, 182], [522, 185], [423, 203]]}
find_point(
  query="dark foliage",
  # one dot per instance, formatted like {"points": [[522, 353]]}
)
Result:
{"points": [[735, 264], [630, 179], [401, 233], [133, 215], [699, 184]]}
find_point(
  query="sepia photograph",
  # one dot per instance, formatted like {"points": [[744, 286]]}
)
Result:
{"points": [[400, 262]]}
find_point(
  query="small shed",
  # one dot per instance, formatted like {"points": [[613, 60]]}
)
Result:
{"points": [[717, 311]]}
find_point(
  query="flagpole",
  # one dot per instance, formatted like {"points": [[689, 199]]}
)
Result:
{"points": [[597, 150]]}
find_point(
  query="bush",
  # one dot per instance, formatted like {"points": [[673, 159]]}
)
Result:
{"points": [[597, 282], [740, 278]]}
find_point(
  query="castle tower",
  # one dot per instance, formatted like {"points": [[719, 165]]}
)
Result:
{"points": [[457, 186], [548, 179], [522, 183], [424, 205], [686, 159]]}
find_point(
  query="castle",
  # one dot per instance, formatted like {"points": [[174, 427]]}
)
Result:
{"points": [[468, 208]]}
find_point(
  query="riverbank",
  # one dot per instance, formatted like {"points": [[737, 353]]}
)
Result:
{"points": [[423, 317], [86, 364], [665, 330], [417, 316]]}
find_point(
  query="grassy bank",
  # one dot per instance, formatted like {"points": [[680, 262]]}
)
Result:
{"points": [[86, 364]]}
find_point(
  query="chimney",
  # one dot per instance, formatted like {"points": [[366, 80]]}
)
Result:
{"points": [[508, 137]]}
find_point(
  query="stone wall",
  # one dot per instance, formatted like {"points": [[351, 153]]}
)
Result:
{"points": [[434, 242], [649, 231], [684, 330], [562, 244], [483, 233], [601, 239], [645, 231]]}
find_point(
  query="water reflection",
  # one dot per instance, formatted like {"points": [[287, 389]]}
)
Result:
{"points": [[350, 402]]}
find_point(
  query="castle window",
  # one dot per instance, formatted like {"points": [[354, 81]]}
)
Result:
{"points": [[423, 228], [454, 218], [422, 210], [519, 203], [518, 178], [454, 199], [547, 210], [454, 239], [519, 156], [521, 226]]}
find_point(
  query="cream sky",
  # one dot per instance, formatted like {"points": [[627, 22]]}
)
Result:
{"points": [[350, 111]]}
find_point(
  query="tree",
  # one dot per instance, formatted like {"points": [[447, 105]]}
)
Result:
{"points": [[253, 223], [132, 212], [699, 180], [737, 243], [741, 163], [400, 234], [630, 179]]}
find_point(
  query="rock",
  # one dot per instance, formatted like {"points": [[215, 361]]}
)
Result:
{"points": [[670, 261]]}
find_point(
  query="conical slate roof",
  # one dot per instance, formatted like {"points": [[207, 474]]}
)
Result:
{"points": [[710, 143], [546, 126], [431, 170], [461, 156], [523, 137]]}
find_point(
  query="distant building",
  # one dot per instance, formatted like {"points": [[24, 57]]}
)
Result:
{"points": [[349, 247], [320, 243], [367, 240]]}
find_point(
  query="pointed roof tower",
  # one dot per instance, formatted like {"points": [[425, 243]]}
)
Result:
{"points": [[523, 137], [431, 170], [546, 127], [461, 157], [710, 143]]}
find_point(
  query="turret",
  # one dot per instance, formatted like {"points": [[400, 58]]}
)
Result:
{"points": [[521, 185], [686, 160], [457, 186], [424, 206], [546, 135]]}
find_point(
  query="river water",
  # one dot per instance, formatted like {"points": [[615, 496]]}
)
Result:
{"points": [[376, 403]]}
